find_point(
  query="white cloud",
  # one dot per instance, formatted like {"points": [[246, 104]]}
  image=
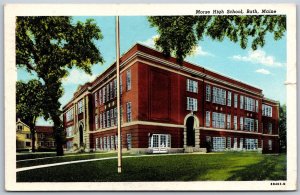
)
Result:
{"points": [[259, 57], [263, 71], [78, 77], [198, 51], [151, 41]]}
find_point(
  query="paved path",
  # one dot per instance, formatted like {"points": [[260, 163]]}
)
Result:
{"points": [[49, 157], [91, 160]]}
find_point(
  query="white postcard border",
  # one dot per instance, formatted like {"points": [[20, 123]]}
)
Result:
{"points": [[13, 10]]}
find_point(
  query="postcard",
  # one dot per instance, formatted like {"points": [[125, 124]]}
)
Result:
{"points": [[150, 97]]}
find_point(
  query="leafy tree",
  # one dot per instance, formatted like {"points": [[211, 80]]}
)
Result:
{"points": [[180, 34], [282, 126], [50, 47], [29, 104]]}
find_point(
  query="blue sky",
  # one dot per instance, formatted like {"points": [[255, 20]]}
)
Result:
{"points": [[264, 68]]}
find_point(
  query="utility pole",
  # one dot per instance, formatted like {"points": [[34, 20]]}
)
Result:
{"points": [[118, 95]]}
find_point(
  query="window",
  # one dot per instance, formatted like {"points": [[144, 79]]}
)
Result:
{"points": [[112, 117], [192, 104], [20, 128], [228, 98], [112, 142], [100, 97], [270, 144], [69, 115], [96, 122], [96, 144], [111, 90], [235, 100], [101, 121], [107, 92], [208, 93], [121, 115], [235, 122], [241, 143], [104, 119], [235, 143], [256, 105], [128, 109], [241, 102], [219, 143], [207, 119], [41, 135], [192, 86], [96, 99], [108, 143], [80, 106], [270, 128], [251, 144], [256, 125], [121, 85], [266, 110], [28, 144], [69, 132], [116, 141], [249, 124], [128, 80], [128, 141], [241, 123], [228, 121], [229, 142], [116, 116], [28, 136], [104, 143], [100, 143], [115, 88], [104, 95], [218, 120], [249, 104], [219, 96], [108, 118]]}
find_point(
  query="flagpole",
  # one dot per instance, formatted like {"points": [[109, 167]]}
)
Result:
{"points": [[118, 94]]}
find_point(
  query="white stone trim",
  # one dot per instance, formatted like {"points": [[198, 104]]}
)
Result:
{"points": [[140, 123], [236, 131], [234, 91]]}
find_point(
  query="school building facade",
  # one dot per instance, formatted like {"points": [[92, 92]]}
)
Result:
{"points": [[168, 107]]}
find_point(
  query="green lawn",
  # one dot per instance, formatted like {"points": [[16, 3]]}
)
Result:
{"points": [[229, 166]]}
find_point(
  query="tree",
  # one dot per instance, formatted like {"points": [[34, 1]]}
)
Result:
{"points": [[29, 104], [50, 47], [180, 34], [282, 126]]}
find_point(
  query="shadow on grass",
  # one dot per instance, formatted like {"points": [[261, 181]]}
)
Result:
{"points": [[269, 168], [217, 167]]}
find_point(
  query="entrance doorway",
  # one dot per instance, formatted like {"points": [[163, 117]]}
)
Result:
{"points": [[190, 132], [81, 135]]}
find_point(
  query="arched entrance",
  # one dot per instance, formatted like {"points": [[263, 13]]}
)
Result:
{"points": [[81, 135], [190, 132]]}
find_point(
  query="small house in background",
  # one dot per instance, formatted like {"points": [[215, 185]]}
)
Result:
{"points": [[23, 136], [45, 138]]}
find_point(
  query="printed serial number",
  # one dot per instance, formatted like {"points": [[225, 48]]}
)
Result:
{"points": [[277, 183]]}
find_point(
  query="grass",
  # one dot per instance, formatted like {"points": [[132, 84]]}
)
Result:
{"points": [[192, 167]]}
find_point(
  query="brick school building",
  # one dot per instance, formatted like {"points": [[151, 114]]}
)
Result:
{"points": [[167, 107]]}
